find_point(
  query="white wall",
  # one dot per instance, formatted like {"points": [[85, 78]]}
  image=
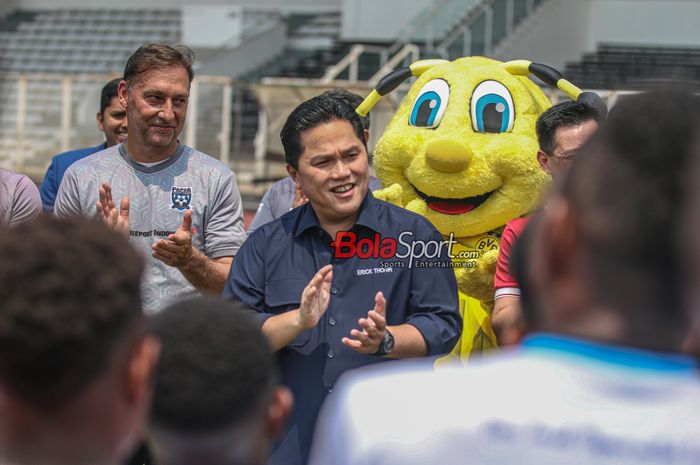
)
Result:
{"points": [[212, 25], [562, 30], [645, 22], [378, 20], [295, 5], [556, 33]]}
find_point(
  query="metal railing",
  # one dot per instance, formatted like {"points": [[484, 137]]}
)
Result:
{"points": [[44, 114]]}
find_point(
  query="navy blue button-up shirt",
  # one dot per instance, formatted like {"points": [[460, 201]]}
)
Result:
{"points": [[278, 260]]}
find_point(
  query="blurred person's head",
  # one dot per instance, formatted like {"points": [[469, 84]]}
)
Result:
{"points": [[155, 92], [326, 154], [561, 132], [75, 358], [605, 258], [216, 399], [111, 119]]}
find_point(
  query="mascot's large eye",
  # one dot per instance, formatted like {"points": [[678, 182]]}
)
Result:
{"points": [[492, 108], [431, 104]]}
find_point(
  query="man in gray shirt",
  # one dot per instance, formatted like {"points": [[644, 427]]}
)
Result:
{"points": [[19, 198], [177, 204]]}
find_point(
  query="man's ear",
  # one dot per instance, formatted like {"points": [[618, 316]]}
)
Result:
{"points": [[366, 133], [100, 122], [141, 369], [293, 173], [279, 410], [122, 92], [543, 160]]}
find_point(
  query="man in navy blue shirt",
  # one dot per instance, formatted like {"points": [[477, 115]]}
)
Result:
{"points": [[345, 280], [111, 119]]}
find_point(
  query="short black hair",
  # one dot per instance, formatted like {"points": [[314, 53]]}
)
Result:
{"points": [[109, 91], [352, 99], [568, 113], [70, 293], [315, 111], [158, 56], [215, 369], [629, 192]]}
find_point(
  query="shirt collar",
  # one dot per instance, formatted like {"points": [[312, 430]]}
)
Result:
{"points": [[630, 357], [155, 168], [367, 216]]}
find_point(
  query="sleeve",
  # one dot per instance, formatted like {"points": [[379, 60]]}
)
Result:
{"points": [[434, 302], [504, 282], [26, 202], [49, 188], [246, 279], [264, 213], [224, 232], [68, 197]]}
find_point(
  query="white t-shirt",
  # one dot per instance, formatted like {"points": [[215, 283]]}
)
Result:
{"points": [[554, 401]]}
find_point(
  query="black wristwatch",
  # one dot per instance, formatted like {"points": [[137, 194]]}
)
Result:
{"points": [[387, 344]]}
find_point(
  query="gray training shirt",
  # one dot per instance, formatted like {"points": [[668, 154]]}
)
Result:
{"points": [[19, 198], [158, 197]]}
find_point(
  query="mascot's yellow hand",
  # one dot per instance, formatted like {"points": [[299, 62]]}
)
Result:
{"points": [[478, 281], [391, 194], [417, 206]]}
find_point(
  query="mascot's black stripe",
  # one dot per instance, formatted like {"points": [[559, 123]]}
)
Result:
{"points": [[393, 80], [548, 74]]}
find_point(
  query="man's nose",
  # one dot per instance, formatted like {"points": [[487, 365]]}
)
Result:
{"points": [[167, 110], [341, 170]]}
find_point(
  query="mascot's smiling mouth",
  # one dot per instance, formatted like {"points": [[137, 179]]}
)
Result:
{"points": [[453, 206]]}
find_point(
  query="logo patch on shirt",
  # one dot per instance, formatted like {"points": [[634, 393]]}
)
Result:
{"points": [[181, 198]]}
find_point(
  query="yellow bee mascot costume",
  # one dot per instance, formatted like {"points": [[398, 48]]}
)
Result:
{"points": [[461, 151]]}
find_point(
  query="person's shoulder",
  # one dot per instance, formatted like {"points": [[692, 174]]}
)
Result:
{"points": [[205, 161], [277, 229], [515, 227], [420, 376], [95, 160], [374, 184], [11, 179], [284, 185], [518, 224], [72, 156]]}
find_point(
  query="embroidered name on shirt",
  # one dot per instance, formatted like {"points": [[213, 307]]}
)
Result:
{"points": [[368, 271]]}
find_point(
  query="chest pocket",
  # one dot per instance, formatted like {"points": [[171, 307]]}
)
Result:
{"points": [[282, 296]]}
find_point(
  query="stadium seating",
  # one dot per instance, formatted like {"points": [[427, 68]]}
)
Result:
{"points": [[82, 40], [630, 67]]}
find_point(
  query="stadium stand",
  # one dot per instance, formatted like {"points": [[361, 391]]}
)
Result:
{"points": [[81, 40], [629, 66]]}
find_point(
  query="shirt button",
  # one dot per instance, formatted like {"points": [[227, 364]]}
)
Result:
{"points": [[334, 290], [331, 353], [329, 388], [331, 321]]}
